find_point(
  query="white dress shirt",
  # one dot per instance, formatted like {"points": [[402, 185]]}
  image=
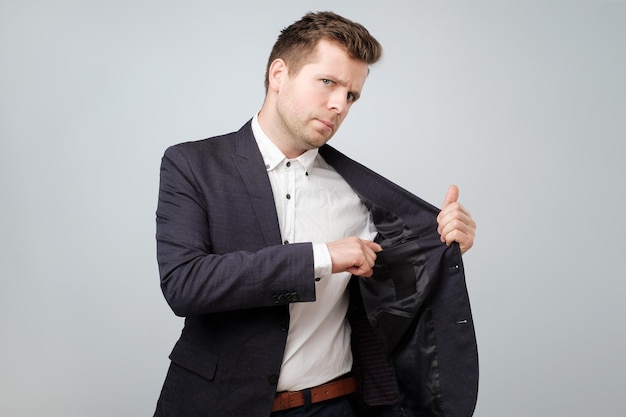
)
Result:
{"points": [[315, 204]]}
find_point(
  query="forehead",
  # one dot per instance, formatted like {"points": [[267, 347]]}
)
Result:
{"points": [[331, 59]]}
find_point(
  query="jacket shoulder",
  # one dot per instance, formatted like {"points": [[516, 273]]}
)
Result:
{"points": [[203, 145], [213, 148]]}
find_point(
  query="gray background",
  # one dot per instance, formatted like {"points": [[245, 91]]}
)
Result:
{"points": [[523, 105]]}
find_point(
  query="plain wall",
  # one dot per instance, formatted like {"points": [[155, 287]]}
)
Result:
{"points": [[522, 104]]}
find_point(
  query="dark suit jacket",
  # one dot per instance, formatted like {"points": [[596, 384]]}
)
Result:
{"points": [[224, 268]]}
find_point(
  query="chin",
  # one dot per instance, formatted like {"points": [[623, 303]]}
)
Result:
{"points": [[320, 143]]}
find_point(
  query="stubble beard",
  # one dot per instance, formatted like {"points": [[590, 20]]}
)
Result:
{"points": [[312, 137], [303, 135]]}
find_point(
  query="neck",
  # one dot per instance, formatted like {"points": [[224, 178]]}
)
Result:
{"points": [[271, 125]]}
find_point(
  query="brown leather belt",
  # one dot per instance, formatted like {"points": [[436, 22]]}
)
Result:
{"points": [[335, 389]]}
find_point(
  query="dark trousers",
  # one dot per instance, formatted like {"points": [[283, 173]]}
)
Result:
{"points": [[337, 407]]}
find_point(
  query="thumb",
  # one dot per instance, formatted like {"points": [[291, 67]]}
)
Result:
{"points": [[451, 196]]}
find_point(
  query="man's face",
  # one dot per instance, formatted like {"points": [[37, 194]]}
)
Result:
{"points": [[312, 104]]}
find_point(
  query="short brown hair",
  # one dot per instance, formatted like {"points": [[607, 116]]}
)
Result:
{"points": [[298, 41]]}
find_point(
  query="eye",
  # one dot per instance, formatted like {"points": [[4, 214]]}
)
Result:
{"points": [[326, 81], [351, 97]]}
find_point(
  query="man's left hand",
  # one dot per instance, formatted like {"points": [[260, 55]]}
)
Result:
{"points": [[455, 222]]}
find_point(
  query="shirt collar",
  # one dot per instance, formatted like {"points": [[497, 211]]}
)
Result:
{"points": [[272, 156]]}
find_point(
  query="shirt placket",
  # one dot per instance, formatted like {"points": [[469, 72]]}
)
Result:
{"points": [[289, 201]]}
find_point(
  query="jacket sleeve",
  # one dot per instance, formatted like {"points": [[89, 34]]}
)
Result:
{"points": [[195, 278]]}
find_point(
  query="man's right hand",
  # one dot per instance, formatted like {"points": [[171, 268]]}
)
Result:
{"points": [[353, 255]]}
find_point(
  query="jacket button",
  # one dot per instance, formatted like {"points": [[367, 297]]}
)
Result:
{"points": [[284, 325], [293, 297], [272, 379]]}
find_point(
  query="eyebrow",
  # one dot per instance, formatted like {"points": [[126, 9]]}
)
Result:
{"points": [[356, 94]]}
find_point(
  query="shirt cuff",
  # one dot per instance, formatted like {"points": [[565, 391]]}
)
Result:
{"points": [[322, 262]]}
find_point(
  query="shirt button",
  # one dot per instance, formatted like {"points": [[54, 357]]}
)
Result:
{"points": [[286, 242], [288, 164], [288, 196], [318, 279], [272, 379]]}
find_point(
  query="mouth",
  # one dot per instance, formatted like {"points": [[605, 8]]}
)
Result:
{"points": [[328, 124]]}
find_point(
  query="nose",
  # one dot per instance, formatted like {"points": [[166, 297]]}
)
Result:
{"points": [[339, 102]]}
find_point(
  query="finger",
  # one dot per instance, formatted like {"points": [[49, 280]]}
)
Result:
{"points": [[465, 241], [368, 258], [462, 232], [362, 270], [364, 273], [454, 217], [457, 220], [454, 211], [452, 196], [448, 231], [373, 245]]}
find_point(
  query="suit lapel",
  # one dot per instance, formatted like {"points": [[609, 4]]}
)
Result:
{"points": [[249, 162], [376, 190], [373, 188]]}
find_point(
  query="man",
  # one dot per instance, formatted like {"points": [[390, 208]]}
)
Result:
{"points": [[260, 234]]}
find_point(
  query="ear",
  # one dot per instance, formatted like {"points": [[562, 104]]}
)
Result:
{"points": [[277, 73]]}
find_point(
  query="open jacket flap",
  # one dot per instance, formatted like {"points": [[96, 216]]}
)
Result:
{"points": [[433, 356], [396, 303], [399, 287], [417, 301]]}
